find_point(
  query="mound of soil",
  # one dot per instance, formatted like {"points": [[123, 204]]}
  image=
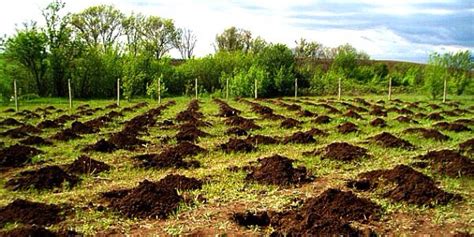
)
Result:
{"points": [[378, 122], [48, 124], [467, 146], [86, 165], [306, 113], [290, 123], [434, 106], [21, 131], [189, 132], [299, 137], [329, 214], [17, 155], [405, 119], [126, 140], [261, 139], [352, 114], [48, 177], [278, 170], [237, 145], [114, 114], [316, 132], [95, 124], [405, 111], [236, 131], [322, 119], [26, 212], [111, 106], [82, 128], [64, 118], [10, 122], [172, 157], [147, 200], [241, 122], [101, 146], [378, 111], [467, 122], [35, 140], [34, 231], [434, 116], [405, 184], [180, 182], [65, 135], [340, 151], [455, 127], [347, 127], [386, 139], [449, 162], [188, 115], [428, 133], [9, 110]]}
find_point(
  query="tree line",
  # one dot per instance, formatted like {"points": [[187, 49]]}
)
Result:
{"points": [[95, 47]]}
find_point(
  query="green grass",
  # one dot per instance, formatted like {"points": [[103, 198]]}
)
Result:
{"points": [[228, 191]]}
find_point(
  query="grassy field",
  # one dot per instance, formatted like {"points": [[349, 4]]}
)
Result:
{"points": [[225, 192]]}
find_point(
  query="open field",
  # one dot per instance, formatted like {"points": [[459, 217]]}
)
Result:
{"points": [[325, 188]]}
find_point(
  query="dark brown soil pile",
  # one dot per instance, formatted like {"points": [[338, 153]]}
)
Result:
{"points": [[95, 124], [36, 231], [405, 184], [428, 133], [378, 111], [86, 165], [172, 157], [455, 127], [35, 140], [25, 128], [101, 146], [352, 114], [448, 162], [111, 106], [299, 137], [114, 114], [405, 111], [278, 170], [180, 182], [225, 110], [65, 135], [290, 123], [467, 146], [241, 122], [261, 139], [420, 115], [322, 119], [64, 118], [307, 113], [48, 177], [17, 155], [405, 119], [316, 132], [467, 122], [147, 200], [347, 127], [188, 115], [237, 145], [82, 128], [48, 124], [386, 139], [189, 132], [236, 131], [378, 122], [434, 116], [10, 122], [14, 133], [340, 151], [434, 106], [28, 114], [329, 214], [9, 110], [450, 113], [33, 213], [126, 140], [265, 111]]}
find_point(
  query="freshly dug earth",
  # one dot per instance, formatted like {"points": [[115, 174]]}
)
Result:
{"points": [[322, 119], [82, 128], [48, 177], [329, 214], [10, 122], [386, 139], [352, 114], [35, 140], [241, 122], [17, 155], [48, 124], [340, 151], [172, 157], [66, 135], [428, 133], [189, 132], [278, 170], [405, 184], [237, 145], [347, 127], [180, 182], [378, 122], [126, 140], [290, 123], [26, 212], [236, 131], [467, 146], [405, 119], [101, 146], [455, 127], [86, 165], [434, 116], [147, 200], [35, 231], [261, 139], [299, 137], [316, 132], [449, 162]]}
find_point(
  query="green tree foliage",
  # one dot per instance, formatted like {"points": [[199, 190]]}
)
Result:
{"points": [[435, 74], [234, 39], [159, 34]]}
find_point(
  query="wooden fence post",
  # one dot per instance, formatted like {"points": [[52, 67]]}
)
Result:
{"points": [[159, 90], [296, 88], [118, 91], [256, 89], [70, 93], [16, 95], [339, 89], [227, 88], [196, 86], [389, 88], [445, 90]]}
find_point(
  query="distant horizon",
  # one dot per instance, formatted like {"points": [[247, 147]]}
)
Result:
{"points": [[407, 31]]}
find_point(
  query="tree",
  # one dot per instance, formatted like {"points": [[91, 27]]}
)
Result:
{"points": [[185, 42], [132, 26], [99, 25], [159, 34], [28, 48], [460, 66], [435, 74], [234, 39], [306, 49]]}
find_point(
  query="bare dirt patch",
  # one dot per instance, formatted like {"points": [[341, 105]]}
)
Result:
{"points": [[340, 151], [26, 212], [48, 177]]}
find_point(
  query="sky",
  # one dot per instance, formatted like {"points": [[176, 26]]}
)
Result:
{"points": [[405, 30]]}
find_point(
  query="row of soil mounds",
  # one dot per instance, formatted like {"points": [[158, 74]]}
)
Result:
{"points": [[447, 162], [241, 124], [172, 157], [329, 214], [50, 177], [191, 119], [403, 184], [151, 199], [17, 155], [264, 111], [32, 213], [341, 151]]}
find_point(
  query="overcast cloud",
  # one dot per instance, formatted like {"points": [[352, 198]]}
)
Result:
{"points": [[390, 29]]}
